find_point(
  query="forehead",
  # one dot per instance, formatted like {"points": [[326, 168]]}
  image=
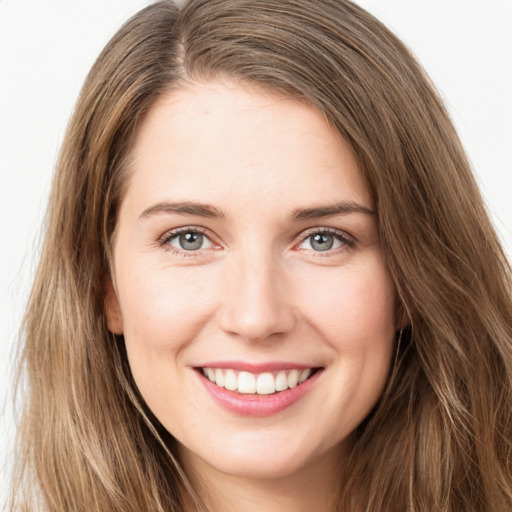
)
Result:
{"points": [[212, 142]]}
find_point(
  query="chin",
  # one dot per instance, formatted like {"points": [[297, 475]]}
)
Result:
{"points": [[254, 466], [256, 456]]}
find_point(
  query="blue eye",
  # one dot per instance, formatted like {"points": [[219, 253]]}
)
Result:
{"points": [[323, 241], [189, 240]]}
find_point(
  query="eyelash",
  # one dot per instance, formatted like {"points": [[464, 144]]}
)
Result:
{"points": [[165, 240], [347, 241]]}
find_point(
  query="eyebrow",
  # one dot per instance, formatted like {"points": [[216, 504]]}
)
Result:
{"points": [[342, 208], [211, 212], [183, 208]]}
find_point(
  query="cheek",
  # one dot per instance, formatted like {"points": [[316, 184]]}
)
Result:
{"points": [[162, 309], [354, 308], [356, 317], [161, 317]]}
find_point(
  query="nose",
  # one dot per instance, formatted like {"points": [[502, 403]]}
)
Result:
{"points": [[255, 305]]}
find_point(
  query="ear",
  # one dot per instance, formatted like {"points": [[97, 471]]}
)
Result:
{"points": [[113, 311]]}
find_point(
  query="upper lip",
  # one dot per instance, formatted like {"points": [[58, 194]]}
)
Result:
{"points": [[255, 367]]}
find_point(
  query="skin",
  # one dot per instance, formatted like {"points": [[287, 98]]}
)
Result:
{"points": [[256, 291]]}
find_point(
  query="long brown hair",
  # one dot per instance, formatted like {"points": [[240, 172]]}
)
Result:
{"points": [[440, 438]]}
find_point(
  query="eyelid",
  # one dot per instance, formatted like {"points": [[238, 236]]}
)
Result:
{"points": [[163, 241], [347, 240], [171, 233]]}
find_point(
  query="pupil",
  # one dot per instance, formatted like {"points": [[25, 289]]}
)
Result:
{"points": [[191, 241], [322, 242]]}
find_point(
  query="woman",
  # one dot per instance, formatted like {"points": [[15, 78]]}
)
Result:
{"points": [[268, 280]]}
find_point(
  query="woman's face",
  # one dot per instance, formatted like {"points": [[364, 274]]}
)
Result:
{"points": [[246, 252]]}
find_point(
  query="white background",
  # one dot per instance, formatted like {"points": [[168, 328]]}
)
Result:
{"points": [[47, 47]]}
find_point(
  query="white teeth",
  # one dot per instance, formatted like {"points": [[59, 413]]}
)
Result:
{"points": [[293, 378], [265, 383], [219, 378], [230, 381], [304, 374], [281, 381], [246, 383]]}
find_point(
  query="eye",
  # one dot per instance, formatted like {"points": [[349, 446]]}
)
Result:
{"points": [[188, 240], [325, 240], [321, 242]]}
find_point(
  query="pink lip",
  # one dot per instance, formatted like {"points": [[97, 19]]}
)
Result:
{"points": [[257, 405], [254, 367]]}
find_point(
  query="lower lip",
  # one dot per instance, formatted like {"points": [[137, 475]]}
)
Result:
{"points": [[258, 405]]}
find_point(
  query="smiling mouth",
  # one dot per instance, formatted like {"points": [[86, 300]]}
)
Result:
{"points": [[265, 383]]}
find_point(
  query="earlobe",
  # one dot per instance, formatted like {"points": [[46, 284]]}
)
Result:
{"points": [[112, 309]]}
